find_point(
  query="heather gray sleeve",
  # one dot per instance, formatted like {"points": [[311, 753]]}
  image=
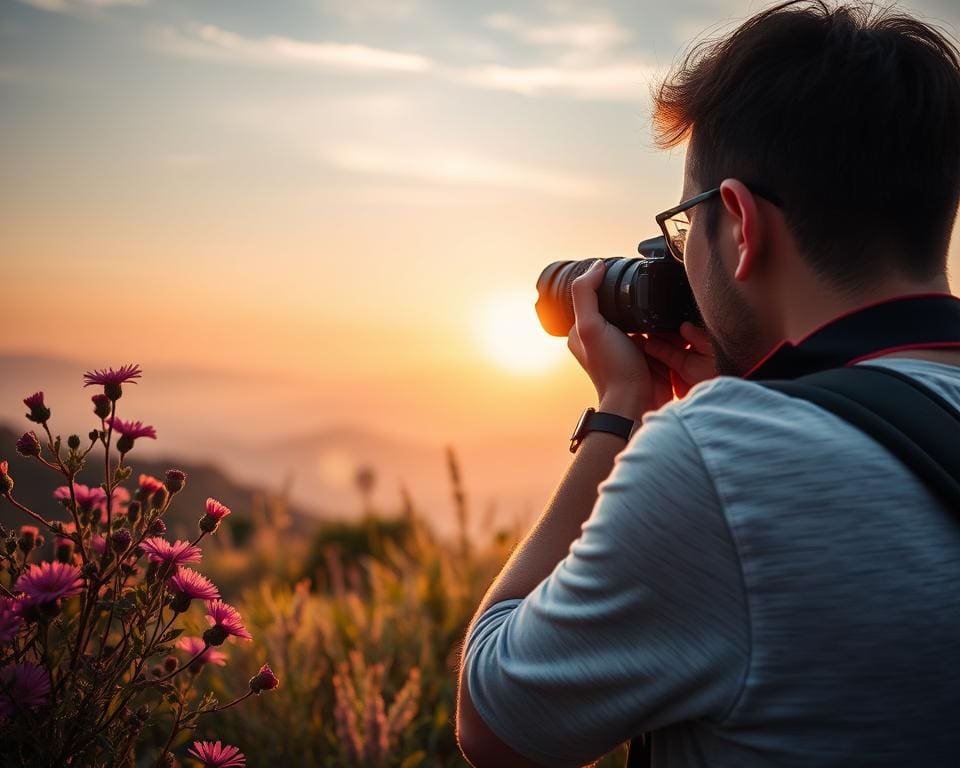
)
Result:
{"points": [[641, 625]]}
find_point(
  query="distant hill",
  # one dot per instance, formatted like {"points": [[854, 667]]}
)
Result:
{"points": [[35, 485]]}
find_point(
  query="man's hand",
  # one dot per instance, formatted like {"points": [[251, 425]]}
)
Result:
{"points": [[687, 366], [625, 381]]}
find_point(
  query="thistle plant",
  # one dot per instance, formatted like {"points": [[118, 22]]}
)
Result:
{"points": [[90, 651]]}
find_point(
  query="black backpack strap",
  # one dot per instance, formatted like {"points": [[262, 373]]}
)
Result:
{"points": [[912, 421]]}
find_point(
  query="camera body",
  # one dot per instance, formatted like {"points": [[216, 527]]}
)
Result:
{"points": [[639, 295]]}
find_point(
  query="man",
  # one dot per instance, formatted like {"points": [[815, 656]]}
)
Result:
{"points": [[756, 581]]}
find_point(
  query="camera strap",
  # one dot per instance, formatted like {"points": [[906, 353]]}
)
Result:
{"points": [[909, 419]]}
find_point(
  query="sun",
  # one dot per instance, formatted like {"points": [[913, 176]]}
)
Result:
{"points": [[510, 334]]}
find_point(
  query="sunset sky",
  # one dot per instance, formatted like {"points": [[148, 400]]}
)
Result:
{"points": [[341, 206]]}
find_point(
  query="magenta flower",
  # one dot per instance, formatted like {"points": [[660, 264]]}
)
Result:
{"points": [[132, 429], [217, 755], [264, 680], [88, 499], [6, 482], [216, 510], [108, 376], [22, 686], [162, 551], [98, 544], [225, 621], [11, 622], [186, 585], [47, 582], [194, 645], [38, 409], [148, 485], [215, 513]]}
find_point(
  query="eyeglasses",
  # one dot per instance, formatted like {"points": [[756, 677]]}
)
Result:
{"points": [[674, 222]]}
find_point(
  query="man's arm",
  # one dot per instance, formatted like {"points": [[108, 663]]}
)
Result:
{"points": [[531, 562], [626, 387]]}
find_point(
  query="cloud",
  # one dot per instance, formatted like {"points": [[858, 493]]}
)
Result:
{"points": [[600, 34], [624, 81], [67, 6], [210, 42], [370, 10], [457, 167]]}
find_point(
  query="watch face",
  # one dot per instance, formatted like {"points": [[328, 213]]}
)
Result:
{"points": [[584, 417]]}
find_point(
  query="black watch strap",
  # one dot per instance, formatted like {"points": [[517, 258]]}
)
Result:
{"points": [[592, 420]]}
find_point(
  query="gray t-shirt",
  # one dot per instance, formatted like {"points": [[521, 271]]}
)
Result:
{"points": [[759, 582]]}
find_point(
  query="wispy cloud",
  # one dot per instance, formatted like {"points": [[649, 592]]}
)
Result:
{"points": [[66, 6], [598, 34], [367, 10], [457, 167], [604, 82], [211, 42]]}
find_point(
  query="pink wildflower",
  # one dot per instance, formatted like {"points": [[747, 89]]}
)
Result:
{"points": [[47, 582], [88, 499], [186, 585], [215, 513], [162, 551], [225, 621], [10, 619], [264, 680], [22, 686], [194, 645], [217, 755], [109, 376], [131, 429]]}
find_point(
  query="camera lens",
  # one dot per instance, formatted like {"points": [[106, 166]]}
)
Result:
{"points": [[637, 295]]}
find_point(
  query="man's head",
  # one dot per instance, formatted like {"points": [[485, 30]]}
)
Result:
{"points": [[851, 116]]}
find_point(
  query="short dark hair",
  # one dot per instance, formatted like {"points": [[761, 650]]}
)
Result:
{"points": [[851, 114]]}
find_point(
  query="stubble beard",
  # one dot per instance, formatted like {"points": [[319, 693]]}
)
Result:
{"points": [[734, 330]]}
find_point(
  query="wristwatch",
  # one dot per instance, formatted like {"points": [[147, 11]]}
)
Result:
{"points": [[592, 420]]}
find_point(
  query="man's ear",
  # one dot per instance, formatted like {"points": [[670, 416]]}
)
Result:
{"points": [[747, 230]]}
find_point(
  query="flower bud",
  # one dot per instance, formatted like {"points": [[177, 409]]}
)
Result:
{"points": [[28, 538], [175, 480], [64, 551], [73, 442], [158, 527], [28, 444], [94, 435], [216, 635], [120, 540], [6, 482], [170, 663], [159, 498], [133, 511], [101, 406], [264, 680], [38, 409]]}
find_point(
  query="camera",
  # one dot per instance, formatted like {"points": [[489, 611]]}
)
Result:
{"points": [[637, 295]]}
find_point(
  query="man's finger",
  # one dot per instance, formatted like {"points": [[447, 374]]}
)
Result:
{"points": [[698, 337], [673, 356], [586, 307]]}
